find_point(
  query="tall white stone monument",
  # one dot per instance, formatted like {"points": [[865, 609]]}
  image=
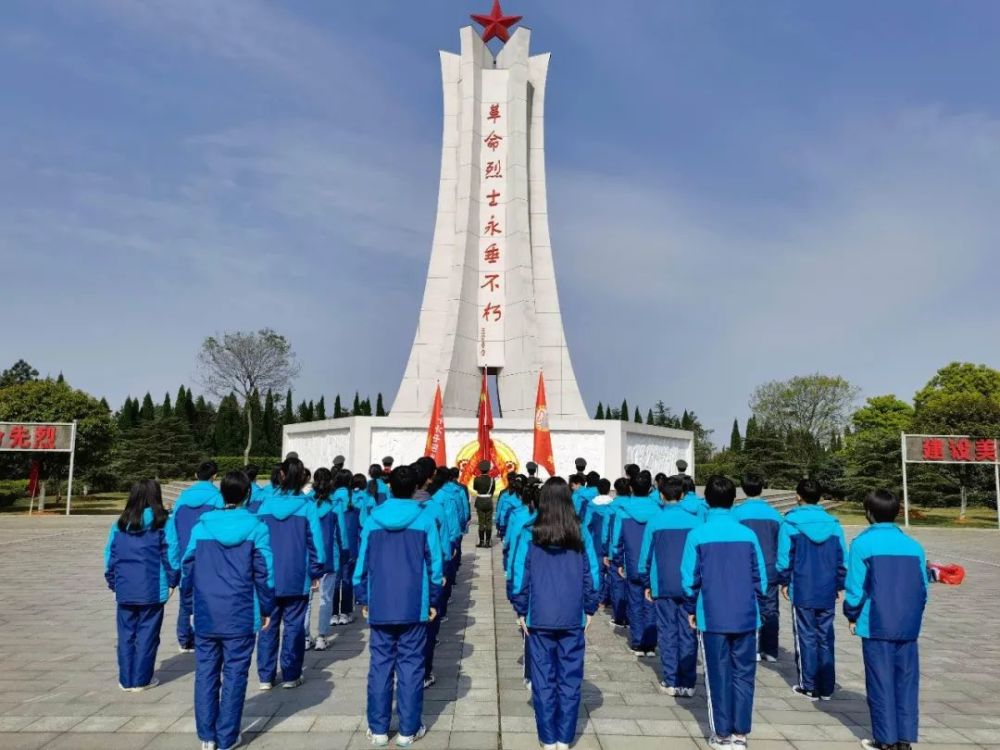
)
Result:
{"points": [[490, 301]]}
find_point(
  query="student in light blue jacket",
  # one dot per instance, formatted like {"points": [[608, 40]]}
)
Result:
{"points": [[884, 603], [199, 498], [692, 502], [331, 523], [138, 569], [758, 515], [724, 578], [299, 563], [229, 576]]}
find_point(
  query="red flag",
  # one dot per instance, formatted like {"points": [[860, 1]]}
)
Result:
{"points": [[435, 433], [542, 453], [33, 478], [486, 450]]}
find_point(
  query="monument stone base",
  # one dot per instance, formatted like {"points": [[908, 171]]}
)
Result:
{"points": [[607, 445]]}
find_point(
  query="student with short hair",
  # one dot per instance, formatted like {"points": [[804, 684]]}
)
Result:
{"points": [[631, 516], [660, 570], [884, 604], [331, 522], [199, 498], [229, 575], [724, 578], [349, 507], [299, 563], [762, 519], [811, 565], [377, 486], [554, 593], [397, 582], [138, 569], [595, 523], [692, 502], [617, 587]]}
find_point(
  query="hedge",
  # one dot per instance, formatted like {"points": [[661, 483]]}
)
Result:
{"points": [[232, 463], [11, 490]]}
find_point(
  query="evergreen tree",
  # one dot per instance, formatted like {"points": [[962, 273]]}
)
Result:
{"points": [[623, 415], [128, 417], [320, 412], [751, 429], [735, 441], [179, 402], [288, 415], [356, 409], [338, 410], [188, 412], [379, 408], [147, 413], [204, 425], [366, 407], [270, 424], [649, 417], [638, 416], [261, 443], [61, 380], [303, 412], [166, 410], [163, 449], [686, 421], [104, 403], [229, 427], [600, 411]]}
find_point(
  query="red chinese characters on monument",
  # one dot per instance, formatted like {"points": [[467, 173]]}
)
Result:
{"points": [[20, 437], [933, 449], [35, 437], [492, 227], [492, 312], [491, 198], [491, 254], [494, 114], [986, 450], [493, 141], [959, 450], [492, 282], [494, 170], [45, 437]]}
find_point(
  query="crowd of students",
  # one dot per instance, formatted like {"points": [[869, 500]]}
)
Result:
{"points": [[678, 573]]}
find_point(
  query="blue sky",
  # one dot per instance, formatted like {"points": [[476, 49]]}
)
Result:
{"points": [[738, 191]]}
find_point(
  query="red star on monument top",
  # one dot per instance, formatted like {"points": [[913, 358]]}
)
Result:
{"points": [[496, 24]]}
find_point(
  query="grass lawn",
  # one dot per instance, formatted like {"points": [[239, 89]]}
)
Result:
{"points": [[104, 503], [977, 517]]}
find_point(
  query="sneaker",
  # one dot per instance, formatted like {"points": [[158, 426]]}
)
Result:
{"points": [[685, 692], [649, 654], [429, 680], [266, 685], [405, 740], [152, 684], [335, 620], [550, 746], [309, 643], [810, 694], [347, 619], [239, 741], [378, 740], [123, 688], [207, 746], [527, 684], [292, 684], [562, 746], [667, 689], [636, 651], [321, 644], [758, 657], [185, 649], [830, 698], [768, 658], [720, 743], [739, 743], [873, 745]]}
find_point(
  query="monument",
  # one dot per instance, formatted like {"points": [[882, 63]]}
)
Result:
{"points": [[490, 302]]}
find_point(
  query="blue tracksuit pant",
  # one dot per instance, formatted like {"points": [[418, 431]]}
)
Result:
{"points": [[677, 644], [767, 636], [813, 629], [396, 650], [730, 668], [433, 628], [605, 588], [892, 681], [185, 633], [220, 687], [619, 596], [641, 618], [556, 659], [288, 624], [138, 641]]}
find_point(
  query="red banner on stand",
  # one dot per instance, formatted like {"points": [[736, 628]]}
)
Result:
{"points": [[542, 453], [435, 433]]}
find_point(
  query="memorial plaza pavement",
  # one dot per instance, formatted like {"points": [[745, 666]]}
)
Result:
{"points": [[58, 684]]}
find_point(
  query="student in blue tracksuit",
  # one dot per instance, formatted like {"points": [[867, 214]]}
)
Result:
{"points": [[199, 498], [463, 511], [660, 570], [229, 575], [299, 563], [759, 516], [377, 486], [812, 565], [432, 500], [331, 523], [692, 503], [343, 593], [617, 588], [504, 504], [519, 532], [630, 519], [257, 493], [588, 492], [885, 599], [724, 578], [362, 499], [596, 523], [397, 582], [138, 569], [554, 591], [258, 497]]}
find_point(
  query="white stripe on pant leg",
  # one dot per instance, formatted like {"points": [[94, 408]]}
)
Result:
{"points": [[708, 687], [796, 628]]}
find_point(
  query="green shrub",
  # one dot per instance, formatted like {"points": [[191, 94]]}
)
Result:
{"points": [[11, 490], [232, 463]]}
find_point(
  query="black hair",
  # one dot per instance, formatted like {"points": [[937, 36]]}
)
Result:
{"points": [[593, 478], [809, 490], [631, 470], [293, 476], [659, 478], [622, 487], [421, 474], [604, 487], [375, 471], [517, 485], [510, 476], [641, 485], [672, 489], [647, 474], [720, 492], [206, 470], [577, 479], [251, 470], [454, 473], [530, 496], [753, 484], [403, 482], [276, 476], [441, 477], [689, 485], [323, 484], [145, 494], [306, 475], [341, 479], [235, 488], [881, 506], [359, 482], [557, 524]]}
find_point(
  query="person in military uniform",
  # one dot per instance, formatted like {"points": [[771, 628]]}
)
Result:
{"points": [[532, 468], [338, 464], [484, 486], [581, 465], [387, 466]]}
